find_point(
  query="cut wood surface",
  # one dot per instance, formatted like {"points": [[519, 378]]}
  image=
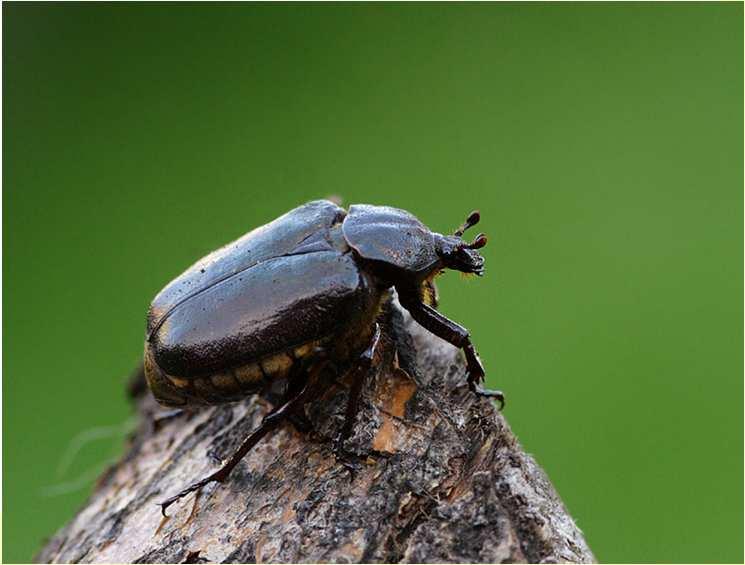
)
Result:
{"points": [[439, 477]]}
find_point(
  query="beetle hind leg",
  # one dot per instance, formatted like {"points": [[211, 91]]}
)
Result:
{"points": [[270, 422]]}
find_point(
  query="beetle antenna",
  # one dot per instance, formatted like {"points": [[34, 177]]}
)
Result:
{"points": [[478, 242], [472, 219]]}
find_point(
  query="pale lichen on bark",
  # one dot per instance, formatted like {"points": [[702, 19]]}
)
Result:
{"points": [[442, 479]]}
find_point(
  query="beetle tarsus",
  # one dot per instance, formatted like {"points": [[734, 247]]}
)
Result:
{"points": [[475, 369], [218, 476], [497, 395], [476, 376]]}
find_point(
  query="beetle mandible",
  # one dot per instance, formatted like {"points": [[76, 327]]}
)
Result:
{"points": [[289, 297]]}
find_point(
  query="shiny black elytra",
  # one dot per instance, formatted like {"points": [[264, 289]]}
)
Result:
{"points": [[291, 297]]}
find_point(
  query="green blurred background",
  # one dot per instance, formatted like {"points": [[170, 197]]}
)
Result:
{"points": [[603, 145]]}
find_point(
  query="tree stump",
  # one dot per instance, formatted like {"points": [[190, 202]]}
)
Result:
{"points": [[441, 478]]}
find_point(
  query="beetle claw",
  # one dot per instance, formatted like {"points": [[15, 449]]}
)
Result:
{"points": [[217, 477], [196, 486]]}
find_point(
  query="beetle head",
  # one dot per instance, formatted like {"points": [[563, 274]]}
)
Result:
{"points": [[458, 254]]}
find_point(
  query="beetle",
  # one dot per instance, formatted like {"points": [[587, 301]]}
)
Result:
{"points": [[292, 296]]}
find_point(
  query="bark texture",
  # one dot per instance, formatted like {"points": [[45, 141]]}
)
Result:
{"points": [[441, 478]]}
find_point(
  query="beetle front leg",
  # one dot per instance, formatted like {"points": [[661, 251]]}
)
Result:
{"points": [[444, 328]]}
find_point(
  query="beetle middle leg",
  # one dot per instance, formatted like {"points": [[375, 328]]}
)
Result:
{"points": [[270, 422], [296, 381], [455, 334], [361, 372]]}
